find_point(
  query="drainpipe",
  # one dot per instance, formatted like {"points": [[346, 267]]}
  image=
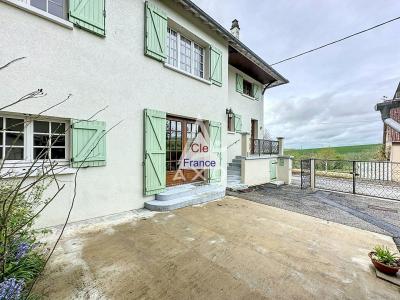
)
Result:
{"points": [[384, 108]]}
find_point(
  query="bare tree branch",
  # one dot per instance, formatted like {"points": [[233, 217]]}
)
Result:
{"points": [[13, 61]]}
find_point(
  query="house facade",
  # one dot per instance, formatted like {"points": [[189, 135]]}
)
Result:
{"points": [[161, 71]]}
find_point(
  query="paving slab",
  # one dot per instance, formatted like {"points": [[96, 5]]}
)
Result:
{"points": [[228, 249]]}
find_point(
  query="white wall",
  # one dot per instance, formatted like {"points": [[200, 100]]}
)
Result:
{"points": [[245, 106], [98, 72]]}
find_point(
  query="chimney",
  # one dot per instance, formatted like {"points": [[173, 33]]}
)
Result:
{"points": [[235, 29]]}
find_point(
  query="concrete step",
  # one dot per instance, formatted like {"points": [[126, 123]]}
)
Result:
{"points": [[180, 191], [237, 160], [233, 168], [275, 183], [233, 172], [235, 164], [237, 187], [234, 177], [196, 197]]}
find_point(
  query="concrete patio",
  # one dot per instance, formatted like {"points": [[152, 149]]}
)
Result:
{"points": [[228, 249]]}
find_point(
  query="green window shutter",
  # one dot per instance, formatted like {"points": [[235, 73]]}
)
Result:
{"points": [[215, 136], [155, 32], [155, 127], [88, 143], [216, 66], [239, 83], [89, 15], [238, 123], [256, 91]]}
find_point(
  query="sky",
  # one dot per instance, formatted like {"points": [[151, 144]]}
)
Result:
{"points": [[332, 92]]}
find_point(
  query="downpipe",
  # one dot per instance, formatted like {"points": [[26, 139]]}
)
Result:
{"points": [[384, 108]]}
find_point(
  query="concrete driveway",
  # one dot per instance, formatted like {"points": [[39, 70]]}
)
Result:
{"points": [[228, 249]]}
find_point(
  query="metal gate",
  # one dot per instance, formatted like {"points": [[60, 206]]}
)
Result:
{"points": [[305, 173], [370, 178]]}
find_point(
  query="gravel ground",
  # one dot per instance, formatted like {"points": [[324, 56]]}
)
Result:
{"points": [[375, 212]]}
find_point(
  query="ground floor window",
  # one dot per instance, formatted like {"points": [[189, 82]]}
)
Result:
{"points": [[24, 139], [56, 8]]}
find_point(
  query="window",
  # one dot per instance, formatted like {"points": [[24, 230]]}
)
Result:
{"points": [[198, 61], [185, 54], [172, 48], [247, 88], [24, 139], [56, 8], [12, 138], [48, 140], [174, 144]]}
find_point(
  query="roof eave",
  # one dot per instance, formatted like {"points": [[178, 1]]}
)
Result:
{"points": [[234, 42]]}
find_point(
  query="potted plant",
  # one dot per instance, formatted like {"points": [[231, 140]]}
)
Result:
{"points": [[384, 260]]}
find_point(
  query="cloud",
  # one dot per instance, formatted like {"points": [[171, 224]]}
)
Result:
{"points": [[332, 92]]}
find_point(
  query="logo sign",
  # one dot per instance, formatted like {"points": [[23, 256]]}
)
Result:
{"points": [[197, 155]]}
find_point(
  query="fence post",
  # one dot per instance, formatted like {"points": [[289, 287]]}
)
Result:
{"points": [[280, 145], [354, 177], [312, 174]]}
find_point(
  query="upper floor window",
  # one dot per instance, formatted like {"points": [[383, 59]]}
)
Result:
{"points": [[247, 88], [56, 8], [184, 54]]}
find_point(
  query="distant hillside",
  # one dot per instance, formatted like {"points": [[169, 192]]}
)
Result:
{"points": [[359, 152]]}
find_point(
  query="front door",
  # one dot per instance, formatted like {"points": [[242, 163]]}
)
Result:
{"points": [[272, 169], [254, 125], [180, 132]]}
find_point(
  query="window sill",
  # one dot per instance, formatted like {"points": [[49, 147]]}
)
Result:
{"points": [[247, 96], [40, 13], [19, 169], [187, 74]]}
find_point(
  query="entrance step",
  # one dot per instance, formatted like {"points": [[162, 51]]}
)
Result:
{"points": [[237, 187], [275, 183], [185, 195]]}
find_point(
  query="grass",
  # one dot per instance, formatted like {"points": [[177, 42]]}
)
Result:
{"points": [[367, 152], [358, 152]]}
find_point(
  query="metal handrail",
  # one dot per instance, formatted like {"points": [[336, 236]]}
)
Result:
{"points": [[261, 146]]}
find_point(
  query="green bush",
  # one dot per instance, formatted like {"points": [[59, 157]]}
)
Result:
{"points": [[22, 257]]}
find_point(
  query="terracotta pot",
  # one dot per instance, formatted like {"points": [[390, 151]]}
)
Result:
{"points": [[382, 267]]}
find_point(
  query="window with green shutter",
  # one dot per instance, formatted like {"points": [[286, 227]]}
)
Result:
{"points": [[216, 66], [256, 91], [239, 83], [89, 15], [88, 143], [155, 32], [215, 136], [155, 127], [238, 123]]}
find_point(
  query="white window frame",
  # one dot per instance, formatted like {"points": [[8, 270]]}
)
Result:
{"points": [[65, 134], [28, 139], [178, 67], [65, 8], [25, 5]]}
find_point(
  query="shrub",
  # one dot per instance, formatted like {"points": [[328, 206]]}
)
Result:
{"points": [[21, 255]]}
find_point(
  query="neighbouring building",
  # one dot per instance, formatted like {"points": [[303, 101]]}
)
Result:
{"points": [[166, 69], [391, 138]]}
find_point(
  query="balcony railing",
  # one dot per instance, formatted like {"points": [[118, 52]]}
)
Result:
{"points": [[260, 147]]}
